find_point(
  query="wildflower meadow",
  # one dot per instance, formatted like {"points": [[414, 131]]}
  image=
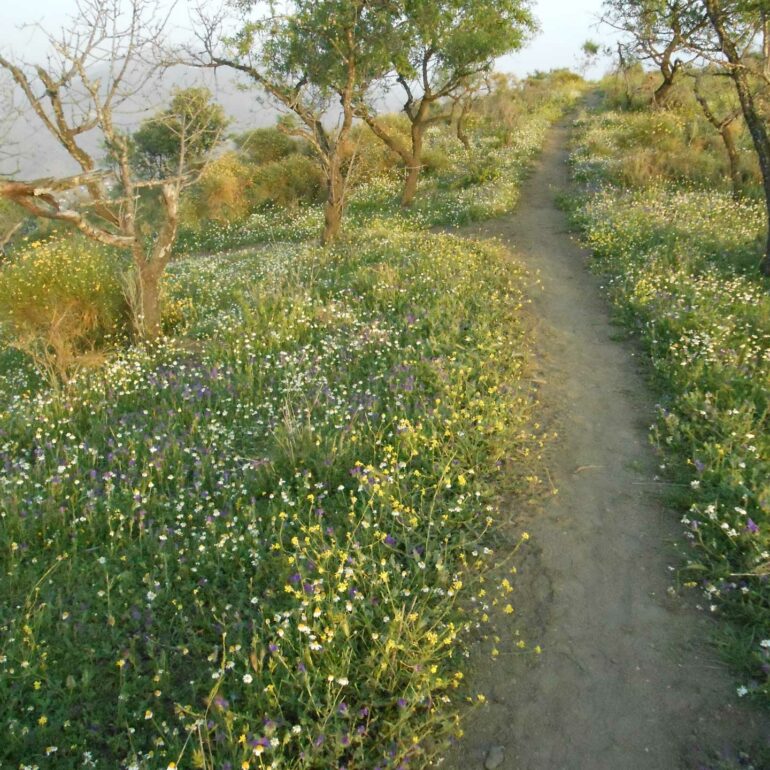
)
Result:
{"points": [[261, 541]]}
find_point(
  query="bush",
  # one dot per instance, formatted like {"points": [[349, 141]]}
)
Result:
{"points": [[287, 182], [373, 157], [59, 300], [266, 145], [221, 194], [641, 148]]}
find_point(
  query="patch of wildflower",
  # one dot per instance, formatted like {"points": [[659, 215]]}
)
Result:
{"points": [[256, 546]]}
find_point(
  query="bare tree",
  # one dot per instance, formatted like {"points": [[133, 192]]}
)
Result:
{"points": [[97, 65]]}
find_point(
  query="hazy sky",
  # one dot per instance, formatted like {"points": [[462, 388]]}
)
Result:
{"points": [[565, 26]]}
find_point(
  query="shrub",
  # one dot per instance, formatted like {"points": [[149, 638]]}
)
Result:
{"points": [[221, 193], [266, 145], [287, 182], [59, 300]]}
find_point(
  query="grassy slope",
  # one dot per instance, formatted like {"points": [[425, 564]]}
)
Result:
{"points": [[251, 546]]}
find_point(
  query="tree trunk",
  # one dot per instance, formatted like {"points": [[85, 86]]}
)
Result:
{"points": [[752, 116], [335, 201], [461, 135], [669, 67], [147, 322], [414, 167], [761, 141], [725, 129], [662, 92], [460, 127]]}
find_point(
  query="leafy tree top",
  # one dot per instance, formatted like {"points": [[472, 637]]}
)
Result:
{"points": [[179, 138]]}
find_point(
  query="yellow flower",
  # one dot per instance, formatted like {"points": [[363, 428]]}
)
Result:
{"points": [[508, 609]]}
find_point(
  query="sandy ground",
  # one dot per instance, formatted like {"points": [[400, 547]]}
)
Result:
{"points": [[627, 679]]}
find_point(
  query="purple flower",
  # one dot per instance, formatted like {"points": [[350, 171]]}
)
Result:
{"points": [[401, 703], [752, 527]]}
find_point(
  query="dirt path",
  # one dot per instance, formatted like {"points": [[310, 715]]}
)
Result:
{"points": [[626, 680]]}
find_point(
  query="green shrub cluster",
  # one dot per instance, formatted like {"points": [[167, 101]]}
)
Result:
{"points": [[59, 300]]}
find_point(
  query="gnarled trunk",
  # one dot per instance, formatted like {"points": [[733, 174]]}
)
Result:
{"points": [[663, 92], [335, 201], [148, 321], [414, 167], [146, 306], [460, 127]]}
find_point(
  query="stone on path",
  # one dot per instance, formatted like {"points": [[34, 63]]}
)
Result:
{"points": [[494, 758]]}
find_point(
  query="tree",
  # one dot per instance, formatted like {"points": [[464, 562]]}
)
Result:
{"points": [[727, 126], [441, 46], [94, 67], [191, 126], [735, 27], [315, 59], [463, 101], [658, 31], [591, 51]]}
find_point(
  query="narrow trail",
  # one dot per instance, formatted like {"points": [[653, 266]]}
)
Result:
{"points": [[627, 680]]}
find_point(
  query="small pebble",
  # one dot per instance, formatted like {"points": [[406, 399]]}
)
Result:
{"points": [[494, 758]]}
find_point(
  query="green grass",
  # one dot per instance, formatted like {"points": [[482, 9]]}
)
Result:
{"points": [[680, 265], [261, 542]]}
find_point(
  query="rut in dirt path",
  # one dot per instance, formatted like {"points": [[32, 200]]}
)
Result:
{"points": [[627, 680]]}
